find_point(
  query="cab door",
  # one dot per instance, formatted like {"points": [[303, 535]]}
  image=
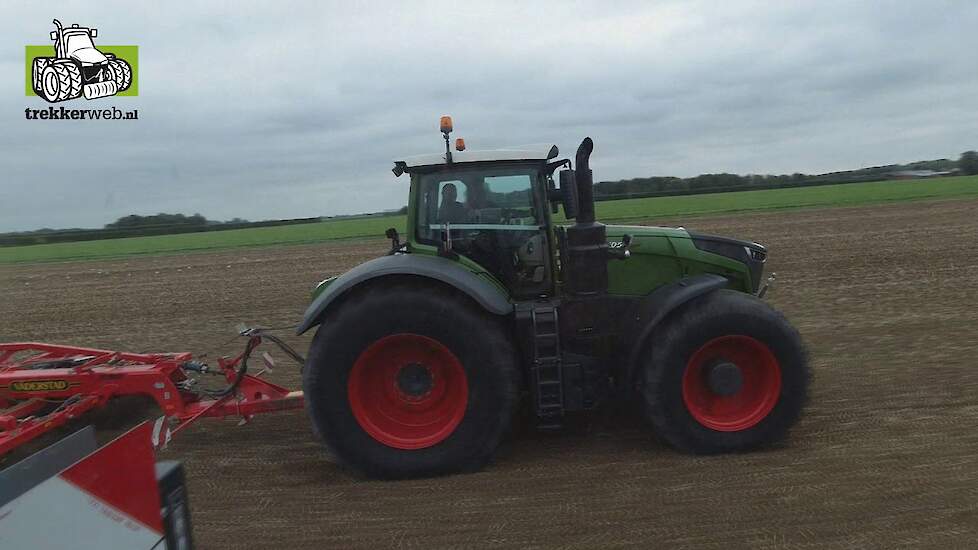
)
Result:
{"points": [[494, 217]]}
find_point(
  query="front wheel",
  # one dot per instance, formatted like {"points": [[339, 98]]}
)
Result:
{"points": [[37, 70], [60, 82], [411, 379], [726, 373]]}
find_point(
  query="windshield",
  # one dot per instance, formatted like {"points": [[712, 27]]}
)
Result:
{"points": [[76, 41], [482, 199]]}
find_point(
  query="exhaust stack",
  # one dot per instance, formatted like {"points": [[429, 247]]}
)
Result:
{"points": [[585, 182], [586, 271]]}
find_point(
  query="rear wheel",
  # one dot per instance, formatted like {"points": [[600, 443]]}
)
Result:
{"points": [[408, 391], [411, 380], [727, 373], [121, 73]]}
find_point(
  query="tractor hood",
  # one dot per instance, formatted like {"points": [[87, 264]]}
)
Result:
{"points": [[663, 254], [89, 56]]}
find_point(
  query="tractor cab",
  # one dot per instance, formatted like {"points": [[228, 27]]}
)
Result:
{"points": [[489, 208], [76, 43]]}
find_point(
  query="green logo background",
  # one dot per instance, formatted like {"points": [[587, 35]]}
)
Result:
{"points": [[129, 53]]}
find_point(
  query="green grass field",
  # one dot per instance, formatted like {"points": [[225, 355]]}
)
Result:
{"points": [[632, 210]]}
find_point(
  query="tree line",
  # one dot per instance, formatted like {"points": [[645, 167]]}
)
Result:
{"points": [[139, 226], [724, 182]]}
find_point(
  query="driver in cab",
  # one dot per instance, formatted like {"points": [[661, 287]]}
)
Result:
{"points": [[451, 211]]}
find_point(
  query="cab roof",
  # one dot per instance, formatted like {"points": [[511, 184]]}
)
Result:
{"points": [[539, 151]]}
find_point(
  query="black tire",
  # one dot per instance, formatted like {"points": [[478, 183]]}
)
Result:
{"points": [[37, 69], [735, 322], [121, 72], [480, 342], [60, 82]]}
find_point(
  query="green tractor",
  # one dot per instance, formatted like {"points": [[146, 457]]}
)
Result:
{"points": [[422, 356]]}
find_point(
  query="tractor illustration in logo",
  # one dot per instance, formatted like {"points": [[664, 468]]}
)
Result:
{"points": [[78, 68]]}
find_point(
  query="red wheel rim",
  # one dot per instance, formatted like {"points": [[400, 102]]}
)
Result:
{"points": [[408, 391], [760, 387]]}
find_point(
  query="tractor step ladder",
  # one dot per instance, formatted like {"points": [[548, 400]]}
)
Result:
{"points": [[547, 372]]}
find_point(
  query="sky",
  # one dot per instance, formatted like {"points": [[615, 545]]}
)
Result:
{"points": [[298, 109]]}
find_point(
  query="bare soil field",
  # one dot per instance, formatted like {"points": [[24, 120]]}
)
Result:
{"points": [[886, 298]]}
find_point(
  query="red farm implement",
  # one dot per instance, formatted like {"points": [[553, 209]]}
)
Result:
{"points": [[44, 386]]}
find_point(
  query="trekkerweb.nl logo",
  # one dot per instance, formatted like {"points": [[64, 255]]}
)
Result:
{"points": [[73, 67]]}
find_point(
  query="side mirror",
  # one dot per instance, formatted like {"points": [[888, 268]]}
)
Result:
{"points": [[568, 192], [54, 35], [94, 33]]}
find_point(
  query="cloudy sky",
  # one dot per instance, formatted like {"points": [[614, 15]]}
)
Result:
{"points": [[295, 109]]}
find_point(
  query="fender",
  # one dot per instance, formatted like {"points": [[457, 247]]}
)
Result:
{"points": [[652, 309], [446, 271]]}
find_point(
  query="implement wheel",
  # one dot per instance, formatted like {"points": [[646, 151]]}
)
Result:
{"points": [[410, 379], [726, 373]]}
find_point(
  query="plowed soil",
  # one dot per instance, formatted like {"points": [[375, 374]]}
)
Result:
{"points": [[885, 455]]}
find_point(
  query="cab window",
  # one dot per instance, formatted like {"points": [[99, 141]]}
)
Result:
{"points": [[491, 217], [476, 199]]}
